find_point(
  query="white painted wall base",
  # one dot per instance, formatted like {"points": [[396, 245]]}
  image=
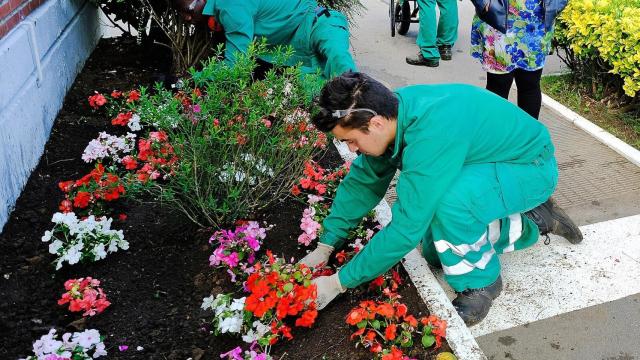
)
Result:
{"points": [[39, 59]]}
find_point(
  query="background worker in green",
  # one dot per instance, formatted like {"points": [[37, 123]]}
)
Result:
{"points": [[319, 37], [435, 38], [471, 163]]}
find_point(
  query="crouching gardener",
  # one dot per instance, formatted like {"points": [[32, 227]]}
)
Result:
{"points": [[319, 36], [471, 164]]}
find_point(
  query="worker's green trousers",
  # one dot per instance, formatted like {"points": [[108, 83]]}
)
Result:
{"points": [[480, 218], [433, 34]]}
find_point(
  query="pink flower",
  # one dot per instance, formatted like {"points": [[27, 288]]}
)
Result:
{"points": [[123, 347], [305, 239], [196, 108], [312, 199], [234, 354]]}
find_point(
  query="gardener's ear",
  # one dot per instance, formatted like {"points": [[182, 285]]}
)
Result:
{"points": [[377, 122]]}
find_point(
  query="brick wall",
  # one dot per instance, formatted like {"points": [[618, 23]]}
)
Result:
{"points": [[13, 11]]}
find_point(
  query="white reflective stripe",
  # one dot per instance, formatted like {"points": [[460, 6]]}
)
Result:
{"points": [[515, 231], [465, 266], [462, 249], [494, 231]]}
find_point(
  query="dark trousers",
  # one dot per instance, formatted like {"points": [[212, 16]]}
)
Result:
{"points": [[528, 83]]}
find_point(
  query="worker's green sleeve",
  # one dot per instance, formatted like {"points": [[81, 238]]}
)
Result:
{"points": [[359, 192], [429, 166], [237, 19]]}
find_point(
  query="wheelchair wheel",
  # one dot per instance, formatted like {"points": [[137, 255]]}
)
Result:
{"points": [[403, 17], [392, 17]]}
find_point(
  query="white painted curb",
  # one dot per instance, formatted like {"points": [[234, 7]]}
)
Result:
{"points": [[459, 336], [617, 145]]}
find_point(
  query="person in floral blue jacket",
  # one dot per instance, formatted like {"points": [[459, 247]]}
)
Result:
{"points": [[511, 38]]}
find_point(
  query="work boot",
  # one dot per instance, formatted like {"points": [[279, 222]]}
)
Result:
{"points": [[473, 304], [420, 60], [550, 218], [445, 52]]}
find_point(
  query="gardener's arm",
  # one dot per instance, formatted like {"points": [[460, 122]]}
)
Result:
{"points": [[237, 18], [430, 166], [359, 192]]}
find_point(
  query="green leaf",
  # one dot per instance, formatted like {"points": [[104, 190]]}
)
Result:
{"points": [[362, 324], [288, 287], [376, 324], [428, 340]]}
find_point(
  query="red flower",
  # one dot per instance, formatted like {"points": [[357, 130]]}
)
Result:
{"points": [[97, 100], [241, 139], [357, 333], [396, 277], [122, 217], [307, 319], [66, 206], [122, 119], [401, 310], [116, 94], [82, 199], [65, 186], [377, 282], [411, 320], [341, 257], [295, 190], [133, 96], [356, 315], [390, 332], [321, 188], [129, 162], [197, 92], [385, 309], [395, 354]]}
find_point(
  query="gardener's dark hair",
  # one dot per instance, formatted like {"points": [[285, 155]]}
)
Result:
{"points": [[353, 90]]}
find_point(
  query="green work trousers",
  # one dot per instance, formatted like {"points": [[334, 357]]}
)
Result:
{"points": [[480, 218], [433, 34]]}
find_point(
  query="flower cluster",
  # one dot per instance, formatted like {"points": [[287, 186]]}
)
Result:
{"points": [[97, 100], [84, 294], [247, 167], [386, 327], [229, 313], [299, 124], [279, 290], [77, 346], [251, 354], [320, 186], [77, 240], [236, 249], [156, 155], [109, 146], [90, 192], [319, 181]]}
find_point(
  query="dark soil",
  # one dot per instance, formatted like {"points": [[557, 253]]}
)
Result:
{"points": [[157, 286]]}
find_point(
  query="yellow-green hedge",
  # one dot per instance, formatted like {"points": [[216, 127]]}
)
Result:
{"points": [[608, 29]]}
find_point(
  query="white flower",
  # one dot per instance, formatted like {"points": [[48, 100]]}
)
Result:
{"points": [[100, 350], [57, 218], [237, 304], [288, 87], [207, 303], [99, 252], [250, 336], [47, 344], [74, 254], [87, 338], [55, 246], [134, 123], [261, 328], [231, 325], [47, 236]]}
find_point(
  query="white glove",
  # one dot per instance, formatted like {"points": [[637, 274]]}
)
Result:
{"points": [[318, 256], [328, 287]]}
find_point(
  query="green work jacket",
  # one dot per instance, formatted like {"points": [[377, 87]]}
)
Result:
{"points": [[440, 129]]}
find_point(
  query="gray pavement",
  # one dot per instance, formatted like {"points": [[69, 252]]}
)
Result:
{"points": [[596, 184]]}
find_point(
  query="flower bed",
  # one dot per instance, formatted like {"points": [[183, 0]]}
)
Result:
{"points": [[156, 287]]}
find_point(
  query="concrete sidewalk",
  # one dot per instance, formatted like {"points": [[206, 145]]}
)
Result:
{"points": [[581, 301]]}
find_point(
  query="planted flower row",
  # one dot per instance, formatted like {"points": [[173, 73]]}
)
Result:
{"points": [[218, 151]]}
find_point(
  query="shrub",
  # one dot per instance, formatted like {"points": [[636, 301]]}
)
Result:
{"points": [[601, 42], [241, 143]]}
